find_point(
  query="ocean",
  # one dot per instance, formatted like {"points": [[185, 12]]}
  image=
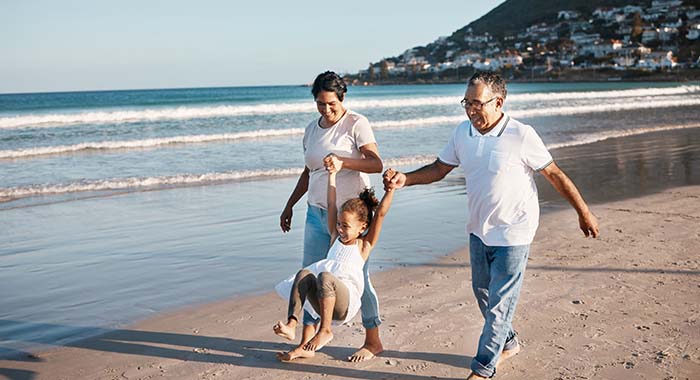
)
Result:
{"points": [[116, 205]]}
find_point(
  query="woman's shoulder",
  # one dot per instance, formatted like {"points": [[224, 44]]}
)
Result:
{"points": [[353, 120], [354, 117]]}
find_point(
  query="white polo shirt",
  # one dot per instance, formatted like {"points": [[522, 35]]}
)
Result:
{"points": [[498, 168]]}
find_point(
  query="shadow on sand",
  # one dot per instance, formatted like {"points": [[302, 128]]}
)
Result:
{"points": [[217, 350]]}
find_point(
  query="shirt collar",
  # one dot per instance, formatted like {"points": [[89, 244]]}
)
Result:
{"points": [[496, 131]]}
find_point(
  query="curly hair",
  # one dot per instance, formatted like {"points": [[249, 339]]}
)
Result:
{"points": [[492, 80], [363, 206]]}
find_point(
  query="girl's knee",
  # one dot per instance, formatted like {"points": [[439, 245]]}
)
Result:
{"points": [[326, 283], [303, 273], [325, 278]]}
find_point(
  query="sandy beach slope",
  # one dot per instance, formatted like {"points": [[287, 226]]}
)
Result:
{"points": [[625, 306]]}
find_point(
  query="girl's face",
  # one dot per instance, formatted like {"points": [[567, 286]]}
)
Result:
{"points": [[349, 226]]}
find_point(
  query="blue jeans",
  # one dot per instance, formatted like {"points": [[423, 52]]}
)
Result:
{"points": [[497, 276], [317, 241]]}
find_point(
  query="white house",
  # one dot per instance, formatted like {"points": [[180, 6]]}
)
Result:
{"points": [[568, 15], [693, 32], [649, 34], [509, 60], [584, 38], [630, 9], [466, 58], [601, 49], [486, 65], [667, 34]]}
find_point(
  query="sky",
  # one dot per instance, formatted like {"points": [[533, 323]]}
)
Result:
{"points": [[48, 45]]}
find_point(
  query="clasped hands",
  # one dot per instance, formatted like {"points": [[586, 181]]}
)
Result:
{"points": [[332, 163]]}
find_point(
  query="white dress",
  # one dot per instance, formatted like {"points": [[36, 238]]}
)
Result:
{"points": [[345, 263]]}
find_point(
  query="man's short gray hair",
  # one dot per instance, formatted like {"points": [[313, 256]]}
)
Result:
{"points": [[495, 82]]}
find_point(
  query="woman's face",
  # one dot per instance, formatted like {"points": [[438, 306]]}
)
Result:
{"points": [[329, 106]]}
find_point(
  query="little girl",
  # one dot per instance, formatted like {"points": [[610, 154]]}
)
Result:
{"points": [[333, 286]]}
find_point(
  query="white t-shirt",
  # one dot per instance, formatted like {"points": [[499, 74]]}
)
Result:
{"points": [[498, 168], [343, 138]]}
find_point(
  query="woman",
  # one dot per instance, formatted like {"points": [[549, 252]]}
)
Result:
{"points": [[349, 136]]}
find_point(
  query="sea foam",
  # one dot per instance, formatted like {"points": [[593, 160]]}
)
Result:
{"points": [[141, 183], [186, 113]]}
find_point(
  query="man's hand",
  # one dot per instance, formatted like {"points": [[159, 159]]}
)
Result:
{"points": [[393, 179], [589, 225]]}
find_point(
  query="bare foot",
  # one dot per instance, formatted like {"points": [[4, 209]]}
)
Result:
{"points": [[319, 340], [284, 330], [296, 353], [473, 376], [507, 354], [366, 352]]}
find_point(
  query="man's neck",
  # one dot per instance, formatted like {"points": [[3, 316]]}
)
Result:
{"points": [[492, 126]]}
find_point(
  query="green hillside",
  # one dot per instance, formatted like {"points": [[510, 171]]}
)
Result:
{"points": [[514, 16]]}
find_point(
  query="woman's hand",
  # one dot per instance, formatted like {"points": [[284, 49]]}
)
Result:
{"points": [[332, 163], [286, 219]]}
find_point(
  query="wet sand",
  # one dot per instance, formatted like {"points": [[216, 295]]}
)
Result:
{"points": [[624, 306]]}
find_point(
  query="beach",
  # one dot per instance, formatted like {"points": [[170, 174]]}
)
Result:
{"points": [[623, 306]]}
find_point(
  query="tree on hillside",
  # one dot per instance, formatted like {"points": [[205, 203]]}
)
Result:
{"points": [[370, 72], [384, 70], [637, 27]]}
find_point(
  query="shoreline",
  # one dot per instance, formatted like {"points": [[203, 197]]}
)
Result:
{"points": [[580, 76], [625, 309], [626, 165]]}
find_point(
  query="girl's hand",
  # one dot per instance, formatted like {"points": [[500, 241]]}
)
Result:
{"points": [[332, 163]]}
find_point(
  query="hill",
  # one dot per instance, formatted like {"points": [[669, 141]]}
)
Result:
{"points": [[557, 40]]}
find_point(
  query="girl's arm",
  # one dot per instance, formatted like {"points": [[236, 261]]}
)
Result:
{"points": [[375, 227], [331, 201], [298, 192]]}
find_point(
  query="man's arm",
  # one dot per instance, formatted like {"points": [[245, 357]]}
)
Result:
{"points": [[427, 174], [566, 187]]}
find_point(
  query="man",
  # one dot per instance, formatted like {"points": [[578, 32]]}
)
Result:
{"points": [[499, 156]]}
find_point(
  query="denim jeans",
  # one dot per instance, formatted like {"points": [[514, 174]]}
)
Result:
{"points": [[317, 241], [497, 276]]}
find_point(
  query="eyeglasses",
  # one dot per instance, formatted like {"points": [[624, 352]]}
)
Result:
{"points": [[477, 105]]}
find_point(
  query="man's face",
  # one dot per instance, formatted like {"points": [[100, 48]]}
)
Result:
{"points": [[482, 106]]}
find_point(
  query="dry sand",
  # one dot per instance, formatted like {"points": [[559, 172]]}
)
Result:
{"points": [[624, 306]]}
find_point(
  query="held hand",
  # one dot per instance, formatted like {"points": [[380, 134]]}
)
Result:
{"points": [[393, 179], [589, 225], [286, 219], [332, 163]]}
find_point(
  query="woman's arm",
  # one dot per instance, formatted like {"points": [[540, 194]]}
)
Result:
{"points": [[369, 163], [298, 192]]}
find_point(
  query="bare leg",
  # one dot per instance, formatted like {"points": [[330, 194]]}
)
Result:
{"points": [[334, 301], [286, 330], [324, 334], [305, 286], [371, 347], [507, 354]]}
